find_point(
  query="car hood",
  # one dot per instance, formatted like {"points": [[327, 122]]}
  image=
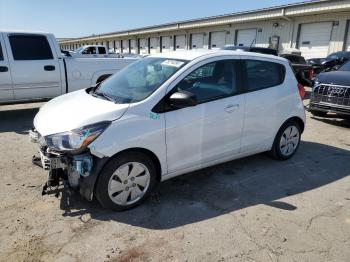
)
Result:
{"points": [[335, 78], [74, 110]]}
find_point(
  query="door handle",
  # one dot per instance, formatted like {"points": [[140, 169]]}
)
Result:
{"points": [[230, 108], [4, 69], [49, 68]]}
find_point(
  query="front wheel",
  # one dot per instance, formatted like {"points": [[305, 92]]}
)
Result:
{"points": [[287, 141], [126, 181]]}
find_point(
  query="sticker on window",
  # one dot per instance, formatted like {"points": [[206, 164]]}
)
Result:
{"points": [[174, 63]]}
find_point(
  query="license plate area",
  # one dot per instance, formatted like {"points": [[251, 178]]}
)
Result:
{"points": [[50, 163]]}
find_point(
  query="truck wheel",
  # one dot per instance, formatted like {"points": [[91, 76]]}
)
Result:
{"points": [[286, 141], [318, 113], [126, 181]]}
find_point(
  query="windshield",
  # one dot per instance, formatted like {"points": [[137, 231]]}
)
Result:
{"points": [[140, 79], [345, 67], [79, 49], [335, 55]]}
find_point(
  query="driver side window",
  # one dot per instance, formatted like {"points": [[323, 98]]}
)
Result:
{"points": [[211, 81]]}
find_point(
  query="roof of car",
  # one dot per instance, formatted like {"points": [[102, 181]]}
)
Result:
{"points": [[193, 54]]}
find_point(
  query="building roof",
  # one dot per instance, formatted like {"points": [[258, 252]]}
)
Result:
{"points": [[282, 11]]}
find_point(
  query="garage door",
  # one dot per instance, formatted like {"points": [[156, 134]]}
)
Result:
{"points": [[125, 46], [218, 40], [117, 46], [180, 42], [166, 44], [154, 45], [110, 45], [347, 47], [133, 46], [143, 46], [314, 39], [197, 41], [246, 37]]}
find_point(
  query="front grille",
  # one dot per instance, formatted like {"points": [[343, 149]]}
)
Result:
{"points": [[331, 94]]}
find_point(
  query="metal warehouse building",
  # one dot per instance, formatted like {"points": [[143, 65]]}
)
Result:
{"points": [[317, 28]]}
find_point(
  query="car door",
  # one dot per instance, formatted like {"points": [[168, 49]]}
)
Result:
{"points": [[265, 99], [35, 68], [6, 88], [211, 130]]}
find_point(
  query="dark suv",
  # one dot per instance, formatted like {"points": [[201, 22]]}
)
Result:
{"points": [[331, 92]]}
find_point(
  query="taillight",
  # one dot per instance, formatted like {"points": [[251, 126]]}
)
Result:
{"points": [[311, 73], [301, 91]]}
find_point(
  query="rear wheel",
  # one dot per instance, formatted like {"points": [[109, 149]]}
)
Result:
{"points": [[318, 113], [286, 141], [126, 181]]}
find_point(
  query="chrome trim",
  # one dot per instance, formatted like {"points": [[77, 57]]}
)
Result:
{"points": [[320, 84], [330, 95], [331, 105], [16, 87]]}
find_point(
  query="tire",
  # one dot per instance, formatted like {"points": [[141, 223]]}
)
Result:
{"points": [[290, 131], [126, 181], [318, 113]]}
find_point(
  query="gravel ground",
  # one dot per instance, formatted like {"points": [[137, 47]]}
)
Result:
{"points": [[253, 209]]}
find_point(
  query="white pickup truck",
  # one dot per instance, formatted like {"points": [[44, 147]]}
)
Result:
{"points": [[32, 68], [92, 51]]}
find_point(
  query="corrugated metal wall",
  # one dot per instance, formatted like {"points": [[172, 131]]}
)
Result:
{"points": [[273, 24]]}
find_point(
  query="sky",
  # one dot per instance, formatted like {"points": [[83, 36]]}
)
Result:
{"points": [[76, 18]]}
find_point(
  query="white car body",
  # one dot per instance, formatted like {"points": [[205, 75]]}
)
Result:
{"points": [[189, 138], [38, 79]]}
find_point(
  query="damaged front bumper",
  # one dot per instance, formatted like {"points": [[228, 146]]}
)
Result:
{"points": [[78, 171]]}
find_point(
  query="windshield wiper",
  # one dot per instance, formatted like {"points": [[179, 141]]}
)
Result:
{"points": [[104, 95]]}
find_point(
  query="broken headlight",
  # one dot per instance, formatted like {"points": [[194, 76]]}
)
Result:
{"points": [[76, 140]]}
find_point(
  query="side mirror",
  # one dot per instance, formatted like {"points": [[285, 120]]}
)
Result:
{"points": [[182, 99]]}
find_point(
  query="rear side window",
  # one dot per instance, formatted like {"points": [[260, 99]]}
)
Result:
{"points": [[262, 74], [30, 47], [1, 55], [101, 50]]}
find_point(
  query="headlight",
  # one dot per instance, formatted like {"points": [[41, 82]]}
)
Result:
{"points": [[77, 139]]}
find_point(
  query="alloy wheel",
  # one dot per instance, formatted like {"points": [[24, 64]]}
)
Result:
{"points": [[289, 140], [129, 183]]}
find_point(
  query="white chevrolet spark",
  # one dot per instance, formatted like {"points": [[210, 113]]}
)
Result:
{"points": [[166, 115]]}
